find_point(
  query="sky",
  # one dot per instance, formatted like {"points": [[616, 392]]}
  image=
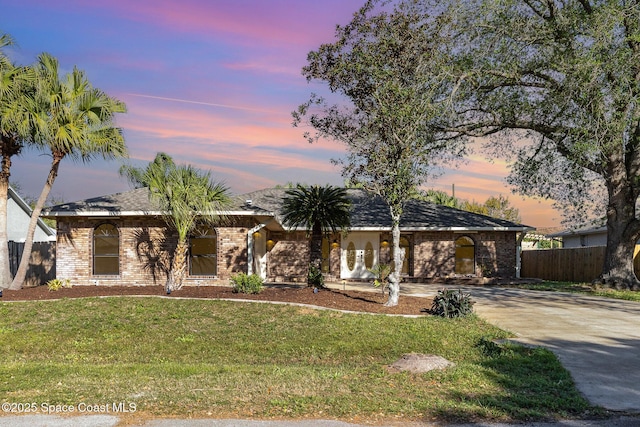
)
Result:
{"points": [[213, 84]]}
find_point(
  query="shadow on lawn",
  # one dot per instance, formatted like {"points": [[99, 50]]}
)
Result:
{"points": [[532, 386]]}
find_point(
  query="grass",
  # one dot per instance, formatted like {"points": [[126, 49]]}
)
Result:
{"points": [[193, 358], [582, 288]]}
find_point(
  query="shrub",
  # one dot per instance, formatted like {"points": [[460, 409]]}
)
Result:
{"points": [[450, 303], [57, 284], [381, 273], [246, 284], [315, 277]]}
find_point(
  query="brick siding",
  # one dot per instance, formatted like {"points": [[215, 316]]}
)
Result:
{"points": [[288, 260], [145, 252], [146, 246]]}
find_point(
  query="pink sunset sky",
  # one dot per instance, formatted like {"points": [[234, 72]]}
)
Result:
{"points": [[213, 84]]}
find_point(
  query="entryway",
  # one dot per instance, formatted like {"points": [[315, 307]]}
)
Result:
{"points": [[359, 254]]}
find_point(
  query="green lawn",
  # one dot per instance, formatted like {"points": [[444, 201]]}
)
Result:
{"points": [[216, 358]]}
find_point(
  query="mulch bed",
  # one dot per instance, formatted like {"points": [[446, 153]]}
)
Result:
{"points": [[370, 302]]}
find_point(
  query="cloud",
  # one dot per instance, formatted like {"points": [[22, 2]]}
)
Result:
{"points": [[187, 101]]}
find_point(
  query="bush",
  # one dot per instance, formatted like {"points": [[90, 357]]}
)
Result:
{"points": [[450, 303], [247, 284], [57, 284], [381, 273], [315, 277]]}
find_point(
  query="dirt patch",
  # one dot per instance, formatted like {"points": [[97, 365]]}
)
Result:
{"points": [[370, 302], [418, 363]]}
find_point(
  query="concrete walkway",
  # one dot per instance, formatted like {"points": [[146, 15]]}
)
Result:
{"points": [[596, 339]]}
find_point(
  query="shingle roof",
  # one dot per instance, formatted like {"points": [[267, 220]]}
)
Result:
{"points": [[129, 202], [369, 211], [580, 231]]}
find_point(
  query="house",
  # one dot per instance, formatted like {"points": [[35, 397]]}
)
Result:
{"points": [[18, 217], [121, 239], [582, 237]]}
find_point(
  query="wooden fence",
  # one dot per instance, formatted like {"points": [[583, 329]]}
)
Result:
{"points": [[568, 264], [42, 264]]}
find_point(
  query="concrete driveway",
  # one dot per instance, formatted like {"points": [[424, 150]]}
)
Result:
{"points": [[596, 339]]}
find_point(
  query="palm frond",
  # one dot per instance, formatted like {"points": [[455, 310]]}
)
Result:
{"points": [[327, 208]]}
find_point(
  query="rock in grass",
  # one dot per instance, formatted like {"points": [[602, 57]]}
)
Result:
{"points": [[419, 363]]}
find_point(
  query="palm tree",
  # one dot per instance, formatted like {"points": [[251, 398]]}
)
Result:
{"points": [[441, 198], [71, 119], [186, 197], [318, 209], [16, 85]]}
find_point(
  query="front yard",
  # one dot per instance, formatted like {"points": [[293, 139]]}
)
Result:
{"points": [[194, 358]]}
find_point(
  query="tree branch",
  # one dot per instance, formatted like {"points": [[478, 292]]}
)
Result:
{"points": [[586, 6]]}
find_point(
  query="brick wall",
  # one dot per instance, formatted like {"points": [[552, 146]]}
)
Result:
{"points": [[145, 252], [434, 253], [288, 260]]}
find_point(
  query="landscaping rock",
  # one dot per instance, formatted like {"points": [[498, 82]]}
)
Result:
{"points": [[419, 363]]}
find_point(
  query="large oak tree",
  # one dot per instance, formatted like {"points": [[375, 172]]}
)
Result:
{"points": [[558, 84]]}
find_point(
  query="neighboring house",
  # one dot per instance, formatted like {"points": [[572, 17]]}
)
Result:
{"points": [[121, 239], [42, 260], [18, 217], [587, 236]]}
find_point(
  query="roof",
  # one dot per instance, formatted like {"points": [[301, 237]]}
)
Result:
{"points": [[580, 232], [369, 211], [129, 203]]}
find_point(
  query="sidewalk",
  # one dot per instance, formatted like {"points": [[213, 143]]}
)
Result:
{"points": [[113, 421]]}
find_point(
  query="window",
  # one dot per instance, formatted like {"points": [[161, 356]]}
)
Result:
{"points": [[106, 250], [465, 255], [203, 254]]}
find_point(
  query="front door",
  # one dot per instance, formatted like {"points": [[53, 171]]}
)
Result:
{"points": [[359, 255]]}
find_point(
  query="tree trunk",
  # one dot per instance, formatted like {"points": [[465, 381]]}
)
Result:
{"points": [[622, 233], [178, 267], [315, 250], [18, 280], [398, 256], [5, 269], [8, 148]]}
